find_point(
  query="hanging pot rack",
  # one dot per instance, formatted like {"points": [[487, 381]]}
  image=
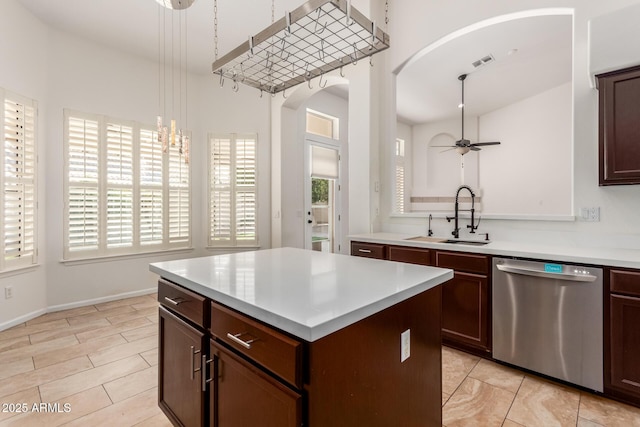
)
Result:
{"points": [[318, 37]]}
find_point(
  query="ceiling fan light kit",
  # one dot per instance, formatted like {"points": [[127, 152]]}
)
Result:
{"points": [[312, 40]]}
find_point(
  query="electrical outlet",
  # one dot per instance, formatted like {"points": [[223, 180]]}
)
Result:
{"points": [[8, 292], [405, 345], [590, 214]]}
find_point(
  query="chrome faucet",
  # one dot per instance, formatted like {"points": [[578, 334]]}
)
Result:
{"points": [[430, 231], [472, 226]]}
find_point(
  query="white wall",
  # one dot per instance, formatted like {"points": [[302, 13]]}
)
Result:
{"points": [[63, 71], [534, 154], [417, 24]]}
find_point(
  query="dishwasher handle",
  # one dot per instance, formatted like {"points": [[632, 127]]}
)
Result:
{"points": [[537, 273]]}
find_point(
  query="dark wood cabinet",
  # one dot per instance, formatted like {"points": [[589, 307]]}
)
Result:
{"points": [[619, 126], [466, 308], [369, 250], [622, 337], [243, 395], [421, 256], [180, 394]]}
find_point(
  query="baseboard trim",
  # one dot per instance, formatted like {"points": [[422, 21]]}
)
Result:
{"points": [[60, 307]]}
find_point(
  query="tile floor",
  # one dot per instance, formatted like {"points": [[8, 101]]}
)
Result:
{"points": [[101, 361]]}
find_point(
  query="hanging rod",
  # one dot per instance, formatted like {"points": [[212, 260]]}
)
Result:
{"points": [[293, 50]]}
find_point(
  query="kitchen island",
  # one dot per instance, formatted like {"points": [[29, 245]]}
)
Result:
{"points": [[290, 337]]}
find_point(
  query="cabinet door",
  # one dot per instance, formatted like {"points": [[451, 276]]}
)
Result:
{"points": [[625, 343], [465, 317], [245, 396], [619, 127], [180, 394]]}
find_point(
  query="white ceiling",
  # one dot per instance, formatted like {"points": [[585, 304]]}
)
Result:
{"points": [[133, 25], [429, 89]]}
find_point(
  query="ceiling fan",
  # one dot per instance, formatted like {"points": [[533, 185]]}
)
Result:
{"points": [[463, 146]]}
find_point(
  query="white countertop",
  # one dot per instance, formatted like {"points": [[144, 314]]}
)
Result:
{"points": [[629, 258], [306, 293]]}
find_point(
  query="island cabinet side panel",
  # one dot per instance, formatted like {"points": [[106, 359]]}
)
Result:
{"points": [[356, 377]]}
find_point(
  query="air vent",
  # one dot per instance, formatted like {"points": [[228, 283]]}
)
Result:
{"points": [[483, 61]]}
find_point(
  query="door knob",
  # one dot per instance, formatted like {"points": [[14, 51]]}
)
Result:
{"points": [[309, 221]]}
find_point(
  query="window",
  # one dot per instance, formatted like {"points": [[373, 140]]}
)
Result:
{"points": [[124, 195], [233, 190], [322, 124], [18, 182], [399, 175]]}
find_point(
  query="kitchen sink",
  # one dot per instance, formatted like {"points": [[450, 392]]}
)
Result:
{"points": [[445, 240], [467, 242]]}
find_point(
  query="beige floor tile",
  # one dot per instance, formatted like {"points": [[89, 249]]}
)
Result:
{"points": [[38, 377], [608, 412], [64, 314], [121, 351], [477, 403], [586, 423], [544, 403], [113, 329], [12, 343], [159, 420], [139, 333], [456, 365], [497, 375], [128, 412], [36, 349], [145, 304], [32, 329], [79, 404], [75, 350], [101, 314], [9, 369], [151, 356], [509, 423], [445, 397], [69, 330], [137, 382], [133, 314], [154, 318], [76, 383], [28, 397], [122, 302]]}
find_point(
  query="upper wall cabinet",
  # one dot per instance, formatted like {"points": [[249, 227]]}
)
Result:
{"points": [[619, 126]]}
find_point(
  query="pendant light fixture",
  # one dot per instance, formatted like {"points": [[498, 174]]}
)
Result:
{"points": [[172, 78], [314, 39]]}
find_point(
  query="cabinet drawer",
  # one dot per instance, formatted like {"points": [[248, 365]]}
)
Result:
{"points": [[625, 282], [368, 250], [275, 351], [410, 255], [463, 262], [187, 303]]}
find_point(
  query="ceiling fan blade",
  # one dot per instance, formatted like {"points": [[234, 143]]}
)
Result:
{"points": [[472, 147], [480, 144], [442, 146], [448, 149]]}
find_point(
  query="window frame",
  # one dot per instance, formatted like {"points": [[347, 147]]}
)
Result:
{"points": [[232, 241], [30, 259], [137, 187]]}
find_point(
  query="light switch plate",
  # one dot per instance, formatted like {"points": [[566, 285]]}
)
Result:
{"points": [[405, 345]]}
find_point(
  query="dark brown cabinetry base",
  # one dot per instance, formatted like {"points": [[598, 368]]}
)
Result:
{"points": [[622, 337]]}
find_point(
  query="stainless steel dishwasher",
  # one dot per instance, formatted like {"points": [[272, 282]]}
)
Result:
{"points": [[547, 317]]}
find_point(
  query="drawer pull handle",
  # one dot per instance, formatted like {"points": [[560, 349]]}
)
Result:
{"points": [[206, 380], [192, 355], [235, 338], [176, 301], [365, 251]]}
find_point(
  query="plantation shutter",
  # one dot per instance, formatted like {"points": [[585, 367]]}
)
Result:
{"points": [[151, 193], [119, 220], [19, 183], [179, 203], [400, 176], [232, 188], [83, 171]]}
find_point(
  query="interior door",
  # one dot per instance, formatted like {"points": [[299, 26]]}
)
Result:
{"points": [[322, 201]]}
